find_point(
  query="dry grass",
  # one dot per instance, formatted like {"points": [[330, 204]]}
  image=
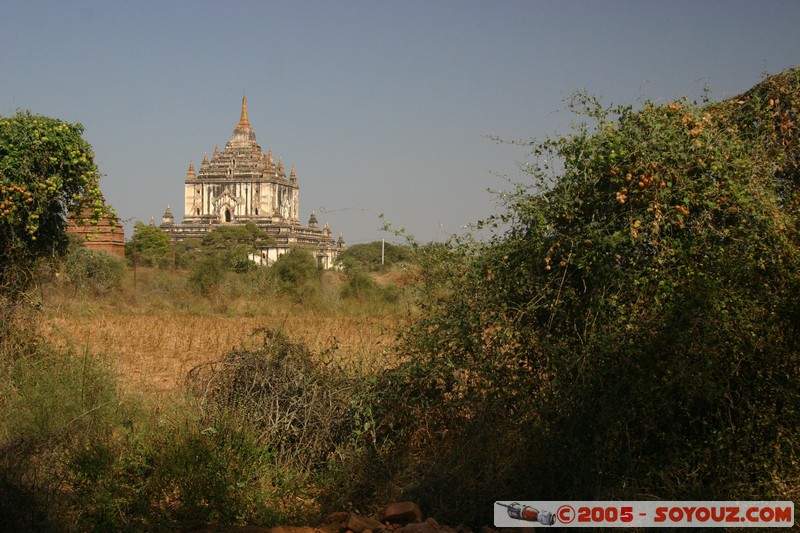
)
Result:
{"points": [[153, 346]]}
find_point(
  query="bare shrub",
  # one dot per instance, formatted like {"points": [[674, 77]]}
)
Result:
{"points": [[302, 408]]}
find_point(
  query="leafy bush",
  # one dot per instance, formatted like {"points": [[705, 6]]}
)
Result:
{"points": [[49, 401], [297, 272], [54, 395], [210, 468], [149, 246], [76, 456], [206, 274], [360, 286], [96, 271], [186, 252], [633, 332]]}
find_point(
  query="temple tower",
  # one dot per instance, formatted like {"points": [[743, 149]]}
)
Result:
{"points": [[241, 184]]}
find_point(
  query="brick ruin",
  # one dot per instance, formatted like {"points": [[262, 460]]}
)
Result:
{"points": [[105, 234]]}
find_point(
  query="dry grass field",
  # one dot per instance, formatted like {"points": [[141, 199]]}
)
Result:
{"points": [[151, 343]]}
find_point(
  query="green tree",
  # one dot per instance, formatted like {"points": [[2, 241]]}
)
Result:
{"points": [[225, 249], [233, 244], [149, 246], [297, 272], [187, 252], [47, 169]]}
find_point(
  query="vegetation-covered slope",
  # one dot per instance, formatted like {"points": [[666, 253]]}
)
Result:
{"points": [[632, 331]]}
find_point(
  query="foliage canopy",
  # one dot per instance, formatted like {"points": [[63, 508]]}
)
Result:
{"points": [[297, 272], [226, 237], [233, 244], [149, 245], [47, 169]]}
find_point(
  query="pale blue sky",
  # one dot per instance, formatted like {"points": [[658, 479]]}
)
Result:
{"points": [[382, 107]]}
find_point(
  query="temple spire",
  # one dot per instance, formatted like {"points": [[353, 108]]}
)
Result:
{"points": [[243, 134], [243, 120]]}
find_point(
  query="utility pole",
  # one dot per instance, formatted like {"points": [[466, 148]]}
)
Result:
{"points": [[135, 247]]}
